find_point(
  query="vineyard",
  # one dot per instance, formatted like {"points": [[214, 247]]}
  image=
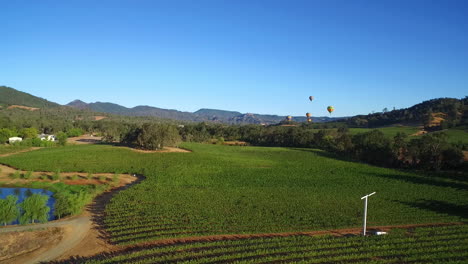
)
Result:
{"points": [[245, 190], [420, 245]]}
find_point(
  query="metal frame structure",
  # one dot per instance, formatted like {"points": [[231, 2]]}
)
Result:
{"points": [[365, 213]]}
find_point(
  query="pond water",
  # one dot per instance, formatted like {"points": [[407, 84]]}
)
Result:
{"points": [[23, 193]]}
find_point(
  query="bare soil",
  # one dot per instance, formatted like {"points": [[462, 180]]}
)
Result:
{"points": [[85, 139], [15, 245], [419, 133], [97, 118], [23, 107], [72, 178]]}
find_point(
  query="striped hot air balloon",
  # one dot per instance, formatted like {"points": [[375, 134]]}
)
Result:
{"points": [[330, 109], [289, 118]]}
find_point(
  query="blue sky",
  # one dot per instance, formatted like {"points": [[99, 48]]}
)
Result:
{"points": [[258, 56]]}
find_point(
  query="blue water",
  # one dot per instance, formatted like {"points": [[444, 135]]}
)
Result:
{"points": [[22, 193]]}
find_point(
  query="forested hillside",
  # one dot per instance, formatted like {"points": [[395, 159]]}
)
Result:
{"points": [[10, 96], [452, 111]]}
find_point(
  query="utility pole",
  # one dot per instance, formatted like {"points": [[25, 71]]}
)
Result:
{"points": [[365, 213]]}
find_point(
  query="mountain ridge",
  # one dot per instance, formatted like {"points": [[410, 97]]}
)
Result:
{"points": [[203, 114]]}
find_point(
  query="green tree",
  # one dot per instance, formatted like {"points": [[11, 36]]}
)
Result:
{"points": [[29, 132], [34, 209], [70, 203], [8, 209], [62, 205], [62, 138], [5, 134], [157, 136], [373, 147]]}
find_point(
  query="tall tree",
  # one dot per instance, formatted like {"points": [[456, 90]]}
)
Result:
{"points": [[30, 132], [34, 209], [8, 209], [62, 138]]}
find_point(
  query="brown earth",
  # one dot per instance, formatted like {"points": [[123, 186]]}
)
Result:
{"points": [[236, 143], [437, 118], [84, 139], [97, 118], [14, 245], [419, 133], [23, 107], [72, 178]]}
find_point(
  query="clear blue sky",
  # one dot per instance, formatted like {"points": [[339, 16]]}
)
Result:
{"points": [[260, 56]]}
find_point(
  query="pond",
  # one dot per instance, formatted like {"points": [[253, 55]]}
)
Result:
{"points": [[23, 193]]}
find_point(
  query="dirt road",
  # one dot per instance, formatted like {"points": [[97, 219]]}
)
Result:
{"points": [[75, 229]]}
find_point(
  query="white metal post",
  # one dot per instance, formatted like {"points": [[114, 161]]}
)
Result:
{"points": [[365, 213]]}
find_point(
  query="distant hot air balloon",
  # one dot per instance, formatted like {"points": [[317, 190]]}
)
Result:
{"points": [[309, 119], [330, 109], [289, 118], [308, 115], [311, 98]]}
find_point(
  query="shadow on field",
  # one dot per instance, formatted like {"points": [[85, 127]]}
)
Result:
{"points": [[426, 180], [439, 207], [98, 206], [326, 154]]}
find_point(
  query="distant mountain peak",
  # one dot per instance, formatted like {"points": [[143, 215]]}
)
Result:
{"points": [[78, 104]]}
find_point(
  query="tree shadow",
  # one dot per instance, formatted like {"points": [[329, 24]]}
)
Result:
{"points": [[326, 154], [456, 180], [440, 207], [98, 206], [422, 180]]}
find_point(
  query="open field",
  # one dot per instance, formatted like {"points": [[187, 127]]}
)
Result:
{"points": [[234, 190], [7, 150], [388, 131], [421, 245], [457, 135]]}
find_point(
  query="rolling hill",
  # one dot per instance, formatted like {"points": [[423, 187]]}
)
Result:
{"points": [[10, 96], [204, 114]]}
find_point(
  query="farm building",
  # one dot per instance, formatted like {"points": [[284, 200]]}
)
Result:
{"points": [[46, 137], [14, 139]]}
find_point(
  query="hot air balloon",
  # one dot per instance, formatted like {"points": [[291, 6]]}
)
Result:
{"points": [[308, 115], [311, 98], [330, 109], [289, 118], [309, 120]]}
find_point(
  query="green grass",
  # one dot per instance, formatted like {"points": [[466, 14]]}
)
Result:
{"points": [[7, 149], [228, 190], [422, 245], [457, 135], [388, 131]]}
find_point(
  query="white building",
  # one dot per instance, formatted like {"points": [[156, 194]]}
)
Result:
{"points": [[46, 137], [14, 139]]}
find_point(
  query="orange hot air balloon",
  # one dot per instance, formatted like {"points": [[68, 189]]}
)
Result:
{"points": [[311, 98], [289, 118], [330, 109], [308, 115]]}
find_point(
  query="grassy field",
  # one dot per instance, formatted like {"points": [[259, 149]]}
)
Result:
{"points": [[457, 135], [229, 190], [421, 245], [6, 149], [388, 131]]}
